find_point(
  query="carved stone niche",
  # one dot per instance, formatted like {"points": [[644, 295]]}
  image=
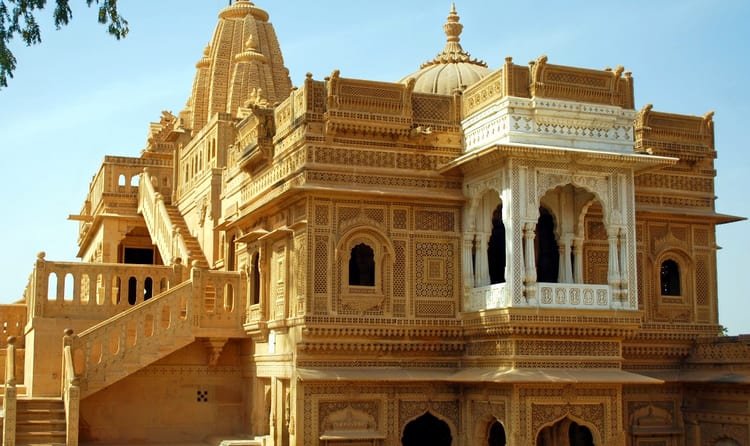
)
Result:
{"points": [[652, 421], [350, 427]]}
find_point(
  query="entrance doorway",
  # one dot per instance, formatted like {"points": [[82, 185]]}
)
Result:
{"points": [[427, 430]]}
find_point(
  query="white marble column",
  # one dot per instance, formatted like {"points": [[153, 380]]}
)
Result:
{"points": [[529, 261], [613, 274], [565, 268], [624, 270], [468, 262], [482, 273], [578, 259]]}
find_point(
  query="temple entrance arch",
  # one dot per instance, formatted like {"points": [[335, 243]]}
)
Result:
{"points": [[565, 432], [427, 429]]}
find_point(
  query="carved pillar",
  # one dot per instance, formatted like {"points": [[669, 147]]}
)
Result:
{"points": [[613, 273], [529, 233], [624, 270], [482, 277], [578, 259], [468, 263], [565, 268]]}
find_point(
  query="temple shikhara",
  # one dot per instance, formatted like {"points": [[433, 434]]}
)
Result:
{"points": [[466, 256]]}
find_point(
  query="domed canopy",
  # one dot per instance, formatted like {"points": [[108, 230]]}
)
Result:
{"points": [[453, 68]]}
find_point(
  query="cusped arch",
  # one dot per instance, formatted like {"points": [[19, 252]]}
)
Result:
{"points": [[483, 425], [595, 434], [597, 186], [451, 427]]}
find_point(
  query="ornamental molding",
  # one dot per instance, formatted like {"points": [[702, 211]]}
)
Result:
{"points": [[551, 122]]}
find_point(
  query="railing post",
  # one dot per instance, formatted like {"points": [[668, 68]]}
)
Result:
{"points": [[71, 392], [40, 284], [9, 402]]}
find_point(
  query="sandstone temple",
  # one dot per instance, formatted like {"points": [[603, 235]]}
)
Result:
{"points": [[467, 256]]}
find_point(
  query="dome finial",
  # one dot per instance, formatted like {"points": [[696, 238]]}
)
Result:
{"points": [[453, 52], [452, 26]]}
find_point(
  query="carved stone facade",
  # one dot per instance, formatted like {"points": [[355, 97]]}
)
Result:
{"points": [[523, 260]]}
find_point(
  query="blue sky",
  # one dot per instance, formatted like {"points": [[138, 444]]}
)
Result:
{"points": [[81, 94]]}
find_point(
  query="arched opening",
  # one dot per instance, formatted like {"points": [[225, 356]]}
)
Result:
{"points": [[427, 430], [496, 434], [547, 252], [496, 247], [132, 287], [670, 278], [255, 280], [148, 288], [362, 266], [231, 258], [565, 432]]}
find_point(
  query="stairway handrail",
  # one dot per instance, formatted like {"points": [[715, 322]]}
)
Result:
{"points": [[9, 400], [180, 303], [71, 392], [163, 230]]}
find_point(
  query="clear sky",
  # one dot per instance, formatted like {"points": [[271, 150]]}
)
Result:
{"points": [[81, 94]]}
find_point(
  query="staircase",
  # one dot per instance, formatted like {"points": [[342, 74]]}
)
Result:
{"points": [[40, 421], [133, 339], [194, 248], [167, 226]]}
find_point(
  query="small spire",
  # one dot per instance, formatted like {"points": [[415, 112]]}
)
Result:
{"points": [[453, 52]]}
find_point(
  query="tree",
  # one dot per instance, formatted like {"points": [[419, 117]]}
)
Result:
{"points": [[17, 18]]}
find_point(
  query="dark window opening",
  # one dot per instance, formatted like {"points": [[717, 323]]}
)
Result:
{"points": [[547, 252], [565, 432], [496, 247], [670, 278], [362, 266], [132, 287], [231, 258], [427, 430], [496, 436], [138, 256], [255, 280], [148, 288]]}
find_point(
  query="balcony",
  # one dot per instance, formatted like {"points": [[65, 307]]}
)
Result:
{"points": [[549, 295]]}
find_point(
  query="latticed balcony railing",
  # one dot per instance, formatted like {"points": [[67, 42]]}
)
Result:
{"points": [[548, 295]]}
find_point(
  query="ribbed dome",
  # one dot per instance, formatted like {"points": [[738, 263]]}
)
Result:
{"points": [[453, 68], [242, 63]]}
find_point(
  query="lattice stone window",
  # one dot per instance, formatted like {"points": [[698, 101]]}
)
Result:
{"points": [[669, 274]]}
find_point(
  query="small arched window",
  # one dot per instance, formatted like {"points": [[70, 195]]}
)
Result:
{"points": [[670, 278], [362, 266]]}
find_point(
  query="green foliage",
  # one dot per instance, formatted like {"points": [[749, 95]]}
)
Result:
{"points": [[18, 18]]}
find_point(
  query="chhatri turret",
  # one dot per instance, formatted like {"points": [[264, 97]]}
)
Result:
{"points": [[451, 69]]}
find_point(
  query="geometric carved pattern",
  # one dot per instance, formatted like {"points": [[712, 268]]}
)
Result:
{"points": [[435, 221], [701, 281], [434, 288]]}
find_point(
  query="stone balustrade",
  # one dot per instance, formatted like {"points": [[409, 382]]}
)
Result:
{"points": [[163, 231], [12, 322], [549, 295], [210, 304], [94, 290], [574, 295], [487, 297]]}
